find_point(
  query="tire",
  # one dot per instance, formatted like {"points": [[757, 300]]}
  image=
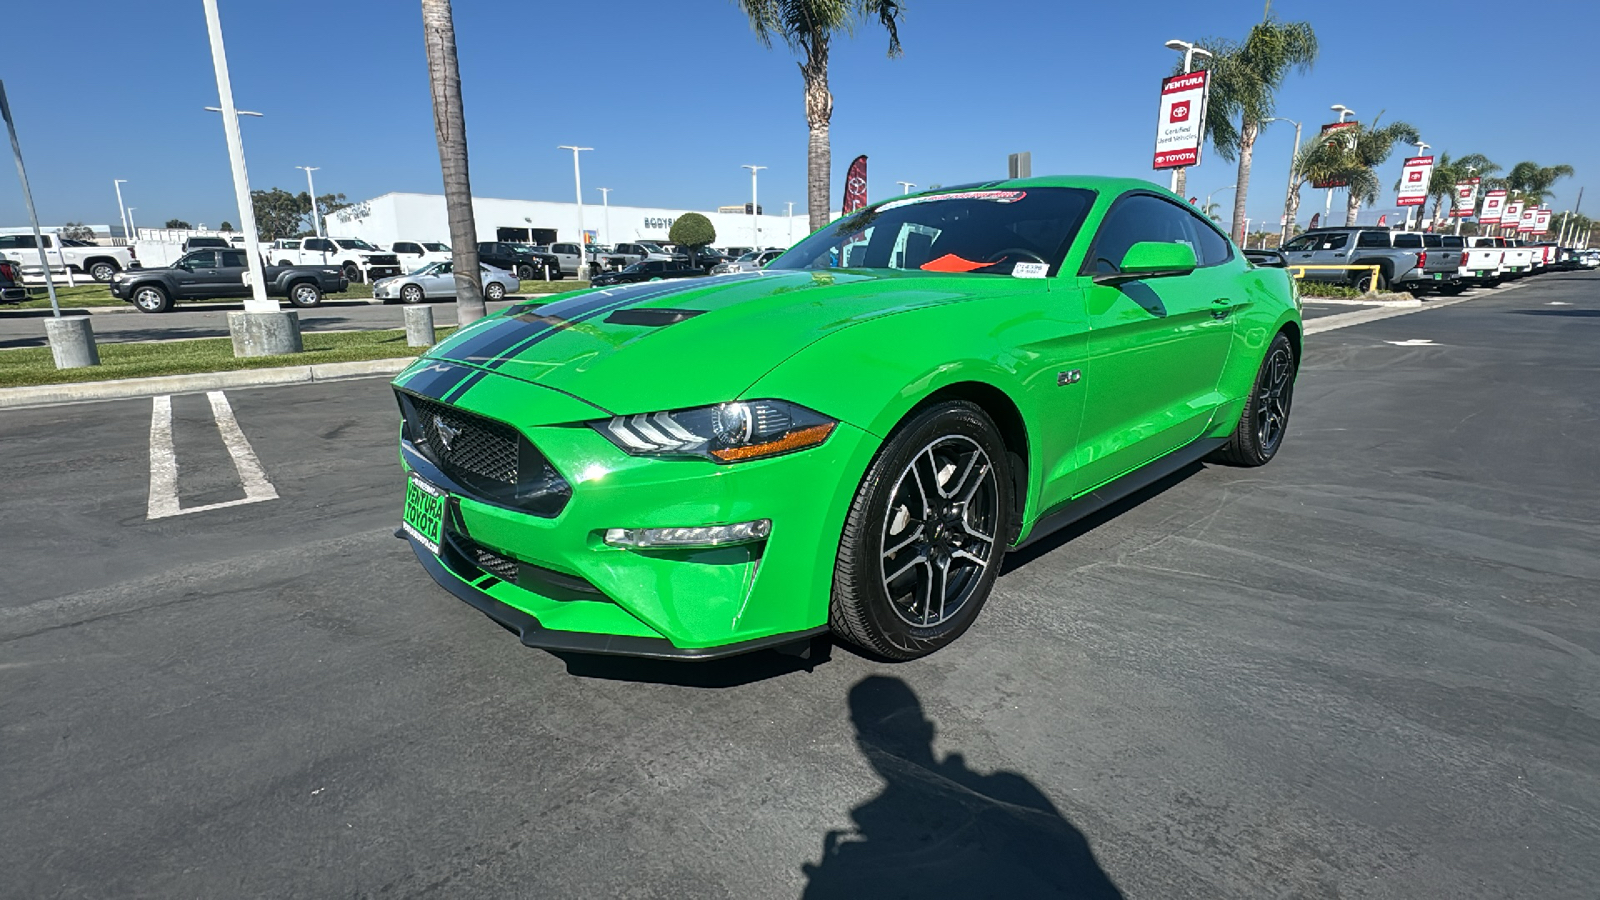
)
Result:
{"points": [[902, 514], [524, 272], [305, 295], [1265, 421], [495, 291], [1363, 282], [102, 271], [411, 294], [352, 273], [151, 298]]}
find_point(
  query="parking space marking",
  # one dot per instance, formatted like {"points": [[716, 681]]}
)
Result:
{"points": [[164, 460]]}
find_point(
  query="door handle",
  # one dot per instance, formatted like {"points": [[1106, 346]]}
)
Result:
{"points": [[1220, 307]]}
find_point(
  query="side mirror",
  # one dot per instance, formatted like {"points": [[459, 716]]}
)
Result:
{"points": [[1151, 259]]}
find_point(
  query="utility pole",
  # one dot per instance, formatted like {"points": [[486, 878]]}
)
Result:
{"points": [[605, 200], [122, 210], [577, 181], [755, 208], [316, 218], [27, 198], [1327, 209]]}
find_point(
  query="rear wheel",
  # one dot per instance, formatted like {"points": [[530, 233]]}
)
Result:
{"points": [[1265, 420], [1367, 283], [151, 298], [924, 537], [495, 291], [305, 295], [102, 271], [411, 294]]}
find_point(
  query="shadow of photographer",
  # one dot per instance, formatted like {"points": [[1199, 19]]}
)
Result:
{"points": [[939, 829]]}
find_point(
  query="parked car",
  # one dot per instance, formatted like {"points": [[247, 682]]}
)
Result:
{"points": [[1479, 266], [567, 256], [11, 289], [1515, 261], [415, 254], [753, 261], [857, 448], [1402, 260], [522, 260], [649, 270], [99, 263], [437, 280], [626, 254], [736, 252], [212, 274], [359, 260]]}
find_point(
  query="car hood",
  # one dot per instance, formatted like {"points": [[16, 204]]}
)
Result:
{"points": [[689, 342]]}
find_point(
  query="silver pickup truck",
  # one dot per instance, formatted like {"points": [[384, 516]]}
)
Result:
{"points": [[1407, 260]]}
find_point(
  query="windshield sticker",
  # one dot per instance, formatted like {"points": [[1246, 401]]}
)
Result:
{"points": [[991, 196], [1029, 270]]}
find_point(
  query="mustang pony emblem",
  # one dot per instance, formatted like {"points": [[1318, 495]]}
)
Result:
{"points": [[446, 432]]}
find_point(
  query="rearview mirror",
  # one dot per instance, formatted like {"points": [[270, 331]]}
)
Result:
{"points": [[1151, 259]]}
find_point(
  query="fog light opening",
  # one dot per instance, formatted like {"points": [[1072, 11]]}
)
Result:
{"points": [[690, 536]]}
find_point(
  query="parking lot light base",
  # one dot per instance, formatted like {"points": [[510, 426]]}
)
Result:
{"points": [[265, 333], [419, 326], [72, 342]]}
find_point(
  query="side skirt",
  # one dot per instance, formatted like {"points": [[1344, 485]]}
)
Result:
{"points": [[1065, 514]]}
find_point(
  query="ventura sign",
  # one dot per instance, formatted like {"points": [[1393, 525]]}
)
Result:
{"points": [[1414, 177], [1494, 204], [1466, 197], [1180, 130]]}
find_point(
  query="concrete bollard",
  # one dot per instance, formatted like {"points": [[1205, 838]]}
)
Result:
{"points": [[265, 333], [419, 326], [71, 341]]}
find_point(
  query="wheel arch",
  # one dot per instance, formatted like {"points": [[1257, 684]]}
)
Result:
{"points": [[90, 262], [1007, 417]]}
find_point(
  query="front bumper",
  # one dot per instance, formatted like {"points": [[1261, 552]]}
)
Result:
{"points": [[569, 590]]}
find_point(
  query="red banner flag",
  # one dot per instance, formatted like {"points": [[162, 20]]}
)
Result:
{"points": [[1315, 218], [855, 186], [1383, 220]]}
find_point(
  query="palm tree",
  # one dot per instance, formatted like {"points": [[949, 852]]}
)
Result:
{"points": [[1360, 152], [450, 128], [1473, 165], [1531, 182], [808, 28], [1245, 77]]}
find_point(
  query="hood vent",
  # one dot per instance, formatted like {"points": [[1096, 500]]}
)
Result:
{"points": [[654, 318]]}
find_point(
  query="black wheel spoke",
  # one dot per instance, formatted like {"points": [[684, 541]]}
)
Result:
{"points": [[938, 530]]}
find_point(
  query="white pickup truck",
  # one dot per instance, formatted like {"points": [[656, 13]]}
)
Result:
{"points": [[1515, 262], [359, 260], [416, 254], [99, 263], [1480, 266]]}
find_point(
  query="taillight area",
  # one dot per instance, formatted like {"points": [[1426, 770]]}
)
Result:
{"points": [[1422, 259], [1463, 257]]}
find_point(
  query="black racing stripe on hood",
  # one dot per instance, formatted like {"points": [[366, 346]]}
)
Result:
{"points": [[438, 379], [465, 385], [509, 333]]}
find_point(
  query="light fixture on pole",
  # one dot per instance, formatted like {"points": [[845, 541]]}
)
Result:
{"points": [[605, 200], [755, 208], [1207, 209], [122, 210], [1283, 231], [906, 186], [1189, 51], [316, 219], [1327, 209], [577, 183]]}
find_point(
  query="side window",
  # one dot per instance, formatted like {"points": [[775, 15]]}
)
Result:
{"points": [[1134, 220], [655, 265], [1431, 241], [202, 259], [1408, 241], [486, 249], [318, 244], [233, 259], [1212, 249], [1369, 239], [407, 248]]}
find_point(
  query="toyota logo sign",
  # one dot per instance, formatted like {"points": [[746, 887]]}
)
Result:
{"points": [[1180, 112]]}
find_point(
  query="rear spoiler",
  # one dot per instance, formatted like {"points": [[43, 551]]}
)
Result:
{"points": [[1271, 258]]}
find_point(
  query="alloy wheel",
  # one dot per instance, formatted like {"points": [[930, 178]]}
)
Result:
{"points": [[939, 531], [149, 299], [1272, 405]]}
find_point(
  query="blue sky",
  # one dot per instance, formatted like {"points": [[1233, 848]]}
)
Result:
{"points": [[675, 97]]}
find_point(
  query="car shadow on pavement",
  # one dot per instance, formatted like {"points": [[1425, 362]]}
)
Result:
{"points": [[1016, 559], [713, 673], [940, 829]]}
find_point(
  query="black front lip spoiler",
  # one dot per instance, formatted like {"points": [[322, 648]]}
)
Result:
{"points": [[533, 634]]}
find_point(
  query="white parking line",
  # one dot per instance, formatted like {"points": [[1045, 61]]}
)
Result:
{"points": [[164, 461]]}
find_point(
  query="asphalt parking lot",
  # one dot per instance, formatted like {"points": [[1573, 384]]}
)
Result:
{"points": [[1366, 670]]}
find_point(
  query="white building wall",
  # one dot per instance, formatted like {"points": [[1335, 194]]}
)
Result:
{"points": [[421, 217]]}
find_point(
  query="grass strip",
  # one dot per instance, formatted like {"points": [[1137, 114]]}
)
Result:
{"points": [[87, 295], [34, 365]]}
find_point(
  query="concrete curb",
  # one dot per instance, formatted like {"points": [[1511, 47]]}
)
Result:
{"points": [[53, 394]]}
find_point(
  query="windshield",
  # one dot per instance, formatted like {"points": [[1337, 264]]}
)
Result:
{"points": [[436, 248], [636, 267], [985, 232], [748, 257], [521, 248], [353, 244]]}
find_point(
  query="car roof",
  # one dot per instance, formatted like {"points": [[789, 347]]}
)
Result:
{"points": [[1104, 183]]}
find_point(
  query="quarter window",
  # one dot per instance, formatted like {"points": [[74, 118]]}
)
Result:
{"points": [[1372, 239], [1405, 241], [233, 259]]}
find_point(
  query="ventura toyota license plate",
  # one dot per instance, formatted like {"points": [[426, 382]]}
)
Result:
{"points": [[424, 515], [1438, 276]]}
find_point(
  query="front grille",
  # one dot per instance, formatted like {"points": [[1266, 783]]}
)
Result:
{"points": [[488, 459], [382, 259], [545, 582], [502, 567]]}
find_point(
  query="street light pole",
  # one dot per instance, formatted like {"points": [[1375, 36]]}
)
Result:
{"points": [[605, 200], [27, 196], [1327, 209], [1207, 209], [131, 226], [1283, 231], [791, 223], [1189, 52], [755, 208], [1421, 147], [905, 186], [122, 210], [258, 302], [316, 218], [577, 181]]}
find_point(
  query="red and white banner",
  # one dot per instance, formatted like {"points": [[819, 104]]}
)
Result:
{"points": [[1414, 177], [1383, 220], [1494, 203], [1511, 214], [1180, 130], [855, 185], [1525, 223], [1541, 221], [1323, 135], [1466, 198]]}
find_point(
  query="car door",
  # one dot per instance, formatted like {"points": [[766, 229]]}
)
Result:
{"points": [[195, 274], [232, 270], [409, 254], [1157, 346], [439, 281]]}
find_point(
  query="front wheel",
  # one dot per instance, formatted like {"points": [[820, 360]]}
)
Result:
{"points": [[495, 291], [352, 273], [524, 272], [151, 299], [411, 294], [924, 537], [1259, 434], [305, 295]]}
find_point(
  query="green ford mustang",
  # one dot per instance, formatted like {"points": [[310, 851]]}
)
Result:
{"points": [[849, 440]]}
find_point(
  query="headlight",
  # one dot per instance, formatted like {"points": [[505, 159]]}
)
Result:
{"points": [[725, 433]]}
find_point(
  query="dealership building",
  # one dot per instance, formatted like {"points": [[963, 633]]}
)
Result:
{"points": [[395, 217]]}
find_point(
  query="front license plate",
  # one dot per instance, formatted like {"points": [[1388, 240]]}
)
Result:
{"points": [[424, 515]]}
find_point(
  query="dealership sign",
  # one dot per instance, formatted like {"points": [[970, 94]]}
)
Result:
{"points": [[1326, 130], [1541, 221], [1466, 197], [1414, 176], [1494, 203], [1510, 215], [1526, 222], [1181, 128]]}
